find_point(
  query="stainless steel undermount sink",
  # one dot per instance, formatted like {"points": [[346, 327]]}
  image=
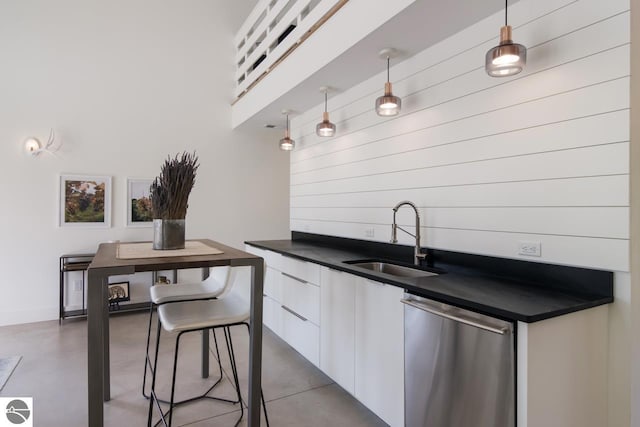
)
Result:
{"points": [[391, 269]]}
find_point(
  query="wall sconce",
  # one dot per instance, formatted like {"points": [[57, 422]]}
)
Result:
{"points": [[508, 58], [286, 143], [325, 127], [34, 147], [388, 104]]}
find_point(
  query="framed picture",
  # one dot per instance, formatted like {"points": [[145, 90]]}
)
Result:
{"points": [[85, 201], [139, 212], [118, 292]]}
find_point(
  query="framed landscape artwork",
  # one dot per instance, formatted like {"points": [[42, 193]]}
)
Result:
{"points": [[139, 212], [85, 201]]}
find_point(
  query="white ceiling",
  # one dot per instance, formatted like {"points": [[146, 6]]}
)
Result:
{"points": [[237, 11], [419, 26]]}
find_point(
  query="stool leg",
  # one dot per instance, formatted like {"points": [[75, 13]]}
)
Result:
{"points": [[152, 394], [147, 360], [173, 379], [215, 340]]}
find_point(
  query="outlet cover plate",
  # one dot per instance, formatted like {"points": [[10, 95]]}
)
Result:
{"points": [[529, 248]]}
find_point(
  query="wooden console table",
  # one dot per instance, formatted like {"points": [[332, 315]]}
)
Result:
{"points": [[105, 263]]}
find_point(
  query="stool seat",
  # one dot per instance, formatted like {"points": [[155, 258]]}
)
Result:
{"points": [[185, 316], [162, 294]]}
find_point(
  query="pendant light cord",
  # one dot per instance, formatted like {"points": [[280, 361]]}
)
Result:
{"points": [[506, 5], [325, 101], [388, 62]]}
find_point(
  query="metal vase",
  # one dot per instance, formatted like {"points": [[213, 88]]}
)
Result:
{"points": [[168, 234]]}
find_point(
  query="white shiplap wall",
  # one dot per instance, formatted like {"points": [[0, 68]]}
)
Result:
{"points": [[542, 156]]}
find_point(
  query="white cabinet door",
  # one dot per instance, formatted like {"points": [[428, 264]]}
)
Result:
{"points": [[273, 284], [301, 297], [272, 315], [379, 377], [302, 335], [337, 326]]}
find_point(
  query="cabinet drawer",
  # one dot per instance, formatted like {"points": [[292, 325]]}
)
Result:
{"points": [[301, 297], [307, 271], [273, 284], [272, 315], [302, 335], [271, 259]]}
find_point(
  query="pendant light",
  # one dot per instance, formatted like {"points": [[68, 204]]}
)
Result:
{"points": [[325, 127], [286, 143], [508, 58], [388, 104]]}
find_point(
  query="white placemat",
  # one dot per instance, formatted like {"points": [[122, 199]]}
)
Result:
{"points": [[145, 250]]}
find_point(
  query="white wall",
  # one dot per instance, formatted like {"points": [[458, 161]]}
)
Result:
{"points": [[124, 84], [635, 212], [542, 156]]}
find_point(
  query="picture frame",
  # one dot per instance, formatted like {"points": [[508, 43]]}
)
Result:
{"points": [[84, 201], [119, 292], [139, 213]]}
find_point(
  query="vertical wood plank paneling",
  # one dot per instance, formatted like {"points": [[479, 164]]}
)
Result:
{"points": [[541, 156]]}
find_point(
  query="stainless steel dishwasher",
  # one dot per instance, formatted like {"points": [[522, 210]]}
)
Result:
{"points": [[459, 367]]}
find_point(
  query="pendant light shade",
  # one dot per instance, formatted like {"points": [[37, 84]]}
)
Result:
{"points": [[325, 127], [388, 104], [508, 58], [286, 143]]}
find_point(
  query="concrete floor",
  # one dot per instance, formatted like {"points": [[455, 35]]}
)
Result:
{"points": [[53, 371]]}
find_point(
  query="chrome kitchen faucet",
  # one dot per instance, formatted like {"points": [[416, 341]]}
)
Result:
{"points": [[394, 231]]}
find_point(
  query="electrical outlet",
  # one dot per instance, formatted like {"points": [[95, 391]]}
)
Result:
{"points": [[530, 248], [77, 285], [369, 232]]}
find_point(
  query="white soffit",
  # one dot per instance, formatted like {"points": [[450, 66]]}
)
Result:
{"points": [[420, 25]]}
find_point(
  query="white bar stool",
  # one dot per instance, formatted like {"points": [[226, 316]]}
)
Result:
{"points": [[233, 308], [212, 287]]}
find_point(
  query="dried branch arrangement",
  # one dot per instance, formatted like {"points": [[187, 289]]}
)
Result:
{"points": [[170, 191]]}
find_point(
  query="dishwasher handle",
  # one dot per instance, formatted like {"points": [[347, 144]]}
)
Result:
{"points": [[471, 322]]}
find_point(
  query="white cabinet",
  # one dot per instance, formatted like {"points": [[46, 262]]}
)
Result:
{"points": [[273, 283], [379, 350], [272, 316], [302, 335], [292, 301], [362, 341], [301, 305], [350, 327], [562, 370], [337, 326], [301, 297]]}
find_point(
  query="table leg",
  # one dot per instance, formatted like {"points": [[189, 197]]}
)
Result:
{"points": [[205, 337], [95, 349], [255, 344], [106, 368]]}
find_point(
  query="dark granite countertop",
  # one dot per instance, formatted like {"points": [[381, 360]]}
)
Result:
{"points": [[524, 298]]}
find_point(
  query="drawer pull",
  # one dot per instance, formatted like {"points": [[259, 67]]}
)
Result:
{"points": [[294, 313], [295, 278]]}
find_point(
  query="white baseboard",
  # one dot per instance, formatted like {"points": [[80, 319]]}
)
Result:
{"points": [[38, 314]]}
